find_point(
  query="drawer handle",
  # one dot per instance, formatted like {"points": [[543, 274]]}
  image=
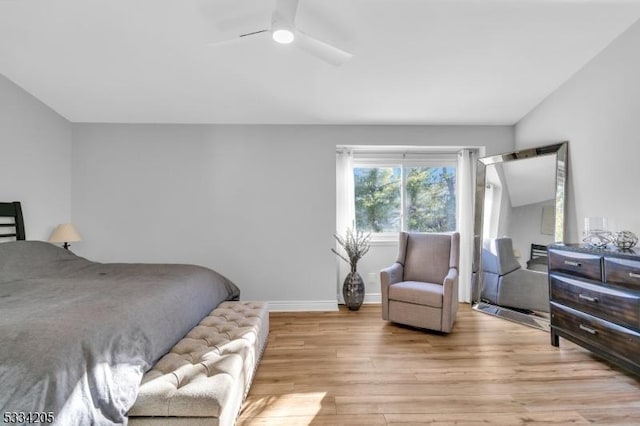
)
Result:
{"points": [[588, 298], [572, 263], [632, 275], [588, 329]]}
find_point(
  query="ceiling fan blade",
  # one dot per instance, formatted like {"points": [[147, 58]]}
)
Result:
{"points": [[238, 38], [286, 11], [253, 33], [320, 49]]}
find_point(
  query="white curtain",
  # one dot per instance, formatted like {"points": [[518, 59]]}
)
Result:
{"points": [[467, 176], [345, 204]]}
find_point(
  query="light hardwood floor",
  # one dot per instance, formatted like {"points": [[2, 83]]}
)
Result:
{"points": [[353, 368]]}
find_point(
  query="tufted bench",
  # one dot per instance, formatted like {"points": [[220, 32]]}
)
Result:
{"points": [[206, 375]]}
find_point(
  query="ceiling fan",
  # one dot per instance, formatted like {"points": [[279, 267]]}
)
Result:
{"points": [[284, 31]]}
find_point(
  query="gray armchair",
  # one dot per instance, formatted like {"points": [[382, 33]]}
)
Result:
{"points": [[506, 283], [421, 288]]}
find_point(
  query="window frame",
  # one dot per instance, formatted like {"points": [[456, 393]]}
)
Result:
{"points": [[402, 161]]}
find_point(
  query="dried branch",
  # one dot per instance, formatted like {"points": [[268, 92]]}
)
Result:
{"points": [[356, 245]]}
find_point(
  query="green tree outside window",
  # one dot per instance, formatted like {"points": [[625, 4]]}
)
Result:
{"points": [[377, 197], [430, 198]]}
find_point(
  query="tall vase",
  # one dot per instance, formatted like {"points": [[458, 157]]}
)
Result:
{"points": [[353, 291]]}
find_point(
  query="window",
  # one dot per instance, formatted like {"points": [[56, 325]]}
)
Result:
{"points": [[377, 192], [430, 199], [404, 194]]}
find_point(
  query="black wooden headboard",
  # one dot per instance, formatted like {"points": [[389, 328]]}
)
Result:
{"points": [[538, 250], [15, 228]]}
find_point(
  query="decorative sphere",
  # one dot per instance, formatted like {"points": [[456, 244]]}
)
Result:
{"points": [[625, 239]]}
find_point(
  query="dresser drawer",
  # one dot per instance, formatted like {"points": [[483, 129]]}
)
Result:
{"points": [[607, 337], [624, 272], [620, 307], [579, 264]]}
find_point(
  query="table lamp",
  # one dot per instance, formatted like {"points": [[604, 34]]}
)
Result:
{"points": [[65, 233]]}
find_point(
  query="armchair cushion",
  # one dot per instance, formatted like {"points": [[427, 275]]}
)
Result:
{"points": [[427, 257], [419, 293]]}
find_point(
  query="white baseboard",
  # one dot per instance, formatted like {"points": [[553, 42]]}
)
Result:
{"points": [[368, 298], [302, 305], [317, 305], [373, 298]]}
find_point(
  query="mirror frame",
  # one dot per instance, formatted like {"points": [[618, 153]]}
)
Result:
{"points": [[560, 150]]}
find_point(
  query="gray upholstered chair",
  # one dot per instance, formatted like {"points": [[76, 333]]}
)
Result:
{"points": [[506, 283], [421, 288]]}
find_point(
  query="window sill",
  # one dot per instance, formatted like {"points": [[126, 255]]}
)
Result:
{"points": [[384, 241]]}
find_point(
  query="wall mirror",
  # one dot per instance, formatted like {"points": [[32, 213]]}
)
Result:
{"points": [[519, 210]]}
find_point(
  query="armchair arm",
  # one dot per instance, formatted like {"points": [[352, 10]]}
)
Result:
{"points": [[391, 275], [451, 277], [449, 300]]}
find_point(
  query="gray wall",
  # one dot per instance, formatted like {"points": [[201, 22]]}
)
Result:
{"points": [[256, 203], [598, 112], [35, 160], [525, 228]]}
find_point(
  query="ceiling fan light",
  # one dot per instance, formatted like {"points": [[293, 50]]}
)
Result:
{"points": [[283, 36]]}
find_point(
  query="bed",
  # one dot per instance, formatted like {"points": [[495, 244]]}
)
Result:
{"points": [[77, 336]]}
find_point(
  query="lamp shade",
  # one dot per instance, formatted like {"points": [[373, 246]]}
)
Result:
{"points": [[65, 233]]}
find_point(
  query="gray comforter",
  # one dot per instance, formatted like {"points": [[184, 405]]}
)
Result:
{"points": [[76, 336]]}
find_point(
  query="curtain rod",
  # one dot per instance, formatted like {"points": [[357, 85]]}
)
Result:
{"points": [[404, 149]]}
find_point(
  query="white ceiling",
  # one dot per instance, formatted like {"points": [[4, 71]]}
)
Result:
{"points": [[530, 180], [415, 61]]}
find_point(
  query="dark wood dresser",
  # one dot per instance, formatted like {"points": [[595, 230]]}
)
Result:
{"points": [[595, 301]]}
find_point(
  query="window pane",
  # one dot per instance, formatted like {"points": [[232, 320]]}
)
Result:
{"points": [[377, 196], [431, 199]]}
